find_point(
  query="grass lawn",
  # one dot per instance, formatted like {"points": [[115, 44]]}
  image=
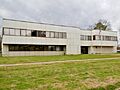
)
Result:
{"points": [[11, 60], [85, 75]]}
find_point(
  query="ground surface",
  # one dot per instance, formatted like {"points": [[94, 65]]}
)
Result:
{"points": [[83, 75]]}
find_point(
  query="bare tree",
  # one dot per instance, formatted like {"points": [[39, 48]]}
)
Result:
{"points": [[103, 25]]}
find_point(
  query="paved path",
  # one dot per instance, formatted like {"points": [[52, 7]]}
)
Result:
{"points": [[53, 62]]}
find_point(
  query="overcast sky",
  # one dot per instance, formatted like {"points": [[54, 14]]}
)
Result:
{"points": [[80, 13]]}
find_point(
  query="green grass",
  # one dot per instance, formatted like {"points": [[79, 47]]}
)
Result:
{"points": [[92, 75], [9, 60]]}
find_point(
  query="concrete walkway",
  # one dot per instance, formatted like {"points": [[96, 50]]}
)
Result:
{"points": [[54, 62]]}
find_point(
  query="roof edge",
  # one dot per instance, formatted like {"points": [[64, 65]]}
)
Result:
{"points": [[40, 23]]}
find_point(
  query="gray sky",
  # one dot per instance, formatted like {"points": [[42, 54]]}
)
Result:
{"points": [[80, 13]]}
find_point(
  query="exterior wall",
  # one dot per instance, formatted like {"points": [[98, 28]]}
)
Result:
{"points": [[99, 42], [103, 49], [73, 42], [33, 40]]}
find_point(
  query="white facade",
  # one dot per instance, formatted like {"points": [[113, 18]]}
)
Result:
{"points": [[76, 41]]}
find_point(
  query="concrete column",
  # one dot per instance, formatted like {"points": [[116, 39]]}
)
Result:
{"points": [[5, 50], [73, 43], [114, 49]]}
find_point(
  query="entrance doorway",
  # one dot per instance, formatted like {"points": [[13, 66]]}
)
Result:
{"points": [[84, 49]]}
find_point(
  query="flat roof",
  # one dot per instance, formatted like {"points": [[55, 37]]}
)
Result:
{"points": [[40, 23]]}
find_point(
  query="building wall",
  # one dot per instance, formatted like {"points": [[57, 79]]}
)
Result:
{"points": [[99, 42], [33, 40], [73, 42], [102, 49]]}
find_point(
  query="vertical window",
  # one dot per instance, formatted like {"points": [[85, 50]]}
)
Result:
{"points": [[98, 37], [41, 33], [6, 31], [60, 34], [38, 48], [12, 31], [56, 35], [94, 37], [86, 37], [23, 32], [52, 34], [34, 33], [115, 38], [103, 38], [64, 35], [89, 38], [61, 48], [41, 48], [57, 48], [11, 47], [82, 37], [48, 34], [28, 33], [17, 32], [45, 48]]}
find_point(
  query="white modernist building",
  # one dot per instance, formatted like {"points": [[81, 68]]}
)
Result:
{"points": [[24, 38]]}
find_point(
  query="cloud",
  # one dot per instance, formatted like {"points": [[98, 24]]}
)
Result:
{"points": [[80, 13]]}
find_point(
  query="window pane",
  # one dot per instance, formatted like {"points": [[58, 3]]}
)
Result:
{"points": [[41, 34], [82, 37], [89, 38], [64, 35], [17, 32], [41, 48], [34, 33], [12, 31], [28, 33], [57, 48], [52, 34], [11, 47], [45, 48], [51, 48], [47, 34], [37, 48], [56, 34], [61, 48], [103, 37], [60, 35], [98, 37], [23, 32], [6, 31]]}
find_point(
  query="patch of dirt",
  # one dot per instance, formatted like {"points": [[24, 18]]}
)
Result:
{"points": [[94, 83], [91, 83], [109, 80]]}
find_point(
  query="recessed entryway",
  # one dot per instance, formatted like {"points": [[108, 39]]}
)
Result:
{"points": [[84, 49]]}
